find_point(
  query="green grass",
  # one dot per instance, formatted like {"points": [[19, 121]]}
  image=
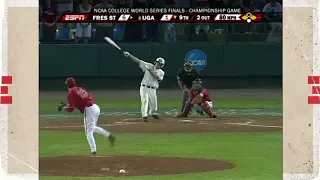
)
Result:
{"points": [[134, 104], [258, 155]]}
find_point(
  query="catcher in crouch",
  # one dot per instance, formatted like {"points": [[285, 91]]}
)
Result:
{"points": [[200, 98]]}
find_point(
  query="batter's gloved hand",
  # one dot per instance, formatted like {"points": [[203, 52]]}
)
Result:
{"points": [[126, 54], [62, 104]]}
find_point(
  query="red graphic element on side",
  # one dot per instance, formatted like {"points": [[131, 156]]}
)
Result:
{"points": [[313, 99], [315, 89], [6, 80], [6, 99], [314, 81], [4, 90]]}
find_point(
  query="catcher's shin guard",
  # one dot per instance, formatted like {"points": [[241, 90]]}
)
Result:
{"points": [[187, 109], [207, 109]]}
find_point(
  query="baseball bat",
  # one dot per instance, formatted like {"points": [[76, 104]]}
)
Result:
{"points": [[110, 41]]}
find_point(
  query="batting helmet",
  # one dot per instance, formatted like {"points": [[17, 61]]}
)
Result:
{"points": [[70, 82], [161, 61]]}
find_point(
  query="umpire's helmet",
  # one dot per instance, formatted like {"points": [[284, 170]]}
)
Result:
{"points": [[188, 66]]}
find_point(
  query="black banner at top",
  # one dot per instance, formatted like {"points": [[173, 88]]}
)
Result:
{"points": [[166, 10]]}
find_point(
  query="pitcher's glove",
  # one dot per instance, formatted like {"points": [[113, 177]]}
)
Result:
{"points": [[62, 104], [197, 100]]}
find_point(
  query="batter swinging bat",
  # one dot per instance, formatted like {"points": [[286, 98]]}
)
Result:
{"points": [[110, 41]]}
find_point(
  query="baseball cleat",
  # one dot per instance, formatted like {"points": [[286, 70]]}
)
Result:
{"points": [[181, 116], [94, 153], [144, 119], [112, 139], [214, 116], [155, 116]]}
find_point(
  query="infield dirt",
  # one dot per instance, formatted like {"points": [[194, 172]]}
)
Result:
{"points": [[133, 165], [146, 165], [171, 125]]}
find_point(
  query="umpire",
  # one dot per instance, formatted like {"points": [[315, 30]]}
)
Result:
{"points": [[186, 75]]}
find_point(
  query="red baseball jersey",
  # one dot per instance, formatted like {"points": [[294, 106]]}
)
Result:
{"points": [[79, 98], [194, 92]]}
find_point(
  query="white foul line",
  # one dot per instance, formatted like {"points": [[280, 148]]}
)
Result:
{"points": [[254, 125]]}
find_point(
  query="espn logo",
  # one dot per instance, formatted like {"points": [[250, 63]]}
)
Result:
{"points": [[74, 18], [4, 90]]}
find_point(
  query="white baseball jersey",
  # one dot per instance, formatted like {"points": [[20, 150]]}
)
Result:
{"points": [[148, 79]]}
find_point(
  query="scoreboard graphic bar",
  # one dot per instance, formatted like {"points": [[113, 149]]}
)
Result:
{"points": [[176, 18]]}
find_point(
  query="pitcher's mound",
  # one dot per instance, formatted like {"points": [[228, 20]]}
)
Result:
{"points": [[133, 165]]}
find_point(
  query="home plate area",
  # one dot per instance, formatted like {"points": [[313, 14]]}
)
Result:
{"points": [[133, 165], [171, 124]]}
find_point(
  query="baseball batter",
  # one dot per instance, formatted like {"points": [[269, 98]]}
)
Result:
{"points": [[80, 99], [153, 75], [200, 98]]}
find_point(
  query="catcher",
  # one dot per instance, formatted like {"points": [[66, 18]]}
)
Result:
{"points": [[200, 98]]}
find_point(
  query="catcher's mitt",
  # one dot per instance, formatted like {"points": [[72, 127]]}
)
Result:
{"points": [[197, 100], [62, 104]]}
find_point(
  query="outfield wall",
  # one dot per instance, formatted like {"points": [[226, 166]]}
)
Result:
{"points": [[229, 65]]}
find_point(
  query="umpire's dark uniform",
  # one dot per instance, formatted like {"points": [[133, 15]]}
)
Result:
{"points": [[185, 76]]}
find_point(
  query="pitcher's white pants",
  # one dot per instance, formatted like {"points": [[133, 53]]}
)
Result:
{"points": [[91, 116], [148, 100]]}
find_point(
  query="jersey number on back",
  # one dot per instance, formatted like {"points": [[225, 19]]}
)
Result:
{"points": [[83, 94]]}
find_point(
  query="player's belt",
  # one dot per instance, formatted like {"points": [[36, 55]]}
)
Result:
{"points": [[89, 105], [148, 86]]}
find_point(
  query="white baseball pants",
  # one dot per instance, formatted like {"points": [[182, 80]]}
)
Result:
{"points": [[148, 100], [91, 116]]}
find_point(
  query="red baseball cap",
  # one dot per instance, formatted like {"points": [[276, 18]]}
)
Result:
{"points": [[70, 82]]}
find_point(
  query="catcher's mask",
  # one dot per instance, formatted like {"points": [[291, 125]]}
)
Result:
{"points": [[197, 83], [159, 62], [188, 66]]}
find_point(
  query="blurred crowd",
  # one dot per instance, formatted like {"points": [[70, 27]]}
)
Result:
{"points": [[51, 31]]}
